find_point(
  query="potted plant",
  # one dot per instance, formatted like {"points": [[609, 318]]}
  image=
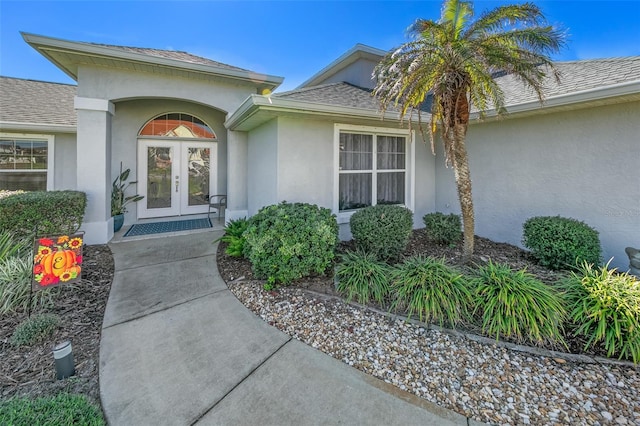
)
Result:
{"points": [[119, 200]]}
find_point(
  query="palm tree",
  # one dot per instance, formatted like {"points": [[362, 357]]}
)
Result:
{"points": [[455, 62]]}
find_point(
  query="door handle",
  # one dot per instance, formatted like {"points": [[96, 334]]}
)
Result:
{"points": [[177, 183]]}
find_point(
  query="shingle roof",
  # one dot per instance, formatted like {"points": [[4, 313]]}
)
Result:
{"points": [[176, 55], [37, 102], [575, 76], [339, 94]]}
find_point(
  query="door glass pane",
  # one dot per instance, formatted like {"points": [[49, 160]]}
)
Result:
{"points": [[199, 168], [159, 177], [355, 190]]}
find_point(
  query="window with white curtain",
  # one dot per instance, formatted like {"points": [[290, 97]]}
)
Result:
{"points": [[372, 169]]}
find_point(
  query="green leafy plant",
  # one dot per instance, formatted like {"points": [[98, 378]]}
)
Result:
{"points": [[363, 277], [119, 200], [443, 228], [62, 409], [287, 241], [51, 212], [233, 236], [10, 246], [561, 243], [514, 304], [604, 308], [383, 230], [34, 329], [15, 286], [430, 288]]}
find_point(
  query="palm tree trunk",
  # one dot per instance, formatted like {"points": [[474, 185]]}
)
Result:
{"points": [[463, 183]]}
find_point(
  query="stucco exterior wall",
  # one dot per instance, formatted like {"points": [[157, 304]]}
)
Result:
{"points": [[358, 73], [262, 173], [305, 159], [581, 164], [129, 118], [64, 161], [115, 85]]}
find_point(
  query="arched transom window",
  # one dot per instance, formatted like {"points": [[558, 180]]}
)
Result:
{"points": [[177, 125]]}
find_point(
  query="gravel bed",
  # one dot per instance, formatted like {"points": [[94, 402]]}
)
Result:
{"points": [[488, 383]]}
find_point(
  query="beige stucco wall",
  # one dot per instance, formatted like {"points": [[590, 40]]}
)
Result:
{"points": [[129, 118], [582, 164], [262, 170]]}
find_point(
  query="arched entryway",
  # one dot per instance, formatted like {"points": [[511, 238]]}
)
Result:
{"points": [[177, 156]]}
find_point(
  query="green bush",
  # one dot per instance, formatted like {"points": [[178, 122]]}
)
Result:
{"points": [[62, 409], [34, 329], [514, 304], [430, 288], [604, 308], [561, 243], [362, 276], [287, 241], [53, 212], [383, 230], [443, 228], [15, 286], [233, 236]]}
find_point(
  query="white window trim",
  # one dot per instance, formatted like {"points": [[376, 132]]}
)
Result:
{"points": [[410, 177], [50, 152]]}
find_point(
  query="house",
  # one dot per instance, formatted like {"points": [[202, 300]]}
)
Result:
{"points": [[189, 127]]}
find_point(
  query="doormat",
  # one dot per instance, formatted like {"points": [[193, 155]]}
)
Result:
{"points": [[161, 227]]}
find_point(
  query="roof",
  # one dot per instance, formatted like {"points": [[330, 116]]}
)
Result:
{"points": [[177, 55], [70, 55], [36, 102], [575, 77], [339, 94]]}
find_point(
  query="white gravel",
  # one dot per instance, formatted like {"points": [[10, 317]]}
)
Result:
{"points": [[486, 382]]}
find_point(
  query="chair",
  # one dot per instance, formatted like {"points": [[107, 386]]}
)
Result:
{"points": [[217, 202]]}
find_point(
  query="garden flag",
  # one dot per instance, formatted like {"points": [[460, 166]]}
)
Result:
{"points": [[57, 260]]}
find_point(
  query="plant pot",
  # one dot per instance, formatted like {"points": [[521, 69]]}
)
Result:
{"points": [[118, 220]]}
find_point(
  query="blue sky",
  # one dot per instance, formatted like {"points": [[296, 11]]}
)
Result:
{"points": [[293, 39]]}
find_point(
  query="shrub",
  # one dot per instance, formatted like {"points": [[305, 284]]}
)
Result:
{"points": [[287, 241], [233, 236], [383, 230], [362, 276], [604, 308], [62, 409], [430, 288], [15, 286], [442, 228], [34, 329], [561, 243], [54, 212], [514, 304]]}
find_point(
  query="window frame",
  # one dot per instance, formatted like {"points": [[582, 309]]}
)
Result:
{"points": [[50, 139], [409, 170]]}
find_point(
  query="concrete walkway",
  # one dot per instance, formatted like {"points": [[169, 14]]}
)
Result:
{"points": [[179, 349]]}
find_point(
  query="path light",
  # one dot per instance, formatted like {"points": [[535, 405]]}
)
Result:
{"points": [[63, 355]]}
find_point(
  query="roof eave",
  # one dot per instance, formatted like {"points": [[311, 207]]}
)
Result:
{"points": [[15, 126], [262, 107], [45, 45]]}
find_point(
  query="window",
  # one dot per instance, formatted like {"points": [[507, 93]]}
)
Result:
{"points": [[372, 168], [25, 162], [177, 125]]}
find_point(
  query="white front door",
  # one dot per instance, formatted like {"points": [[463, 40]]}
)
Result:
{"points": [[175, 177]]}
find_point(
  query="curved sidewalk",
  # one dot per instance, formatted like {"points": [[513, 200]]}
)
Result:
{"points": [[178, 348]]}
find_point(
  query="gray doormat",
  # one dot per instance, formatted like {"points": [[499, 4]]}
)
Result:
{"points": [[161, 227]]}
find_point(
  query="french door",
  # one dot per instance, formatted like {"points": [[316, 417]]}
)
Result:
{"points": [[175, 177]]}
